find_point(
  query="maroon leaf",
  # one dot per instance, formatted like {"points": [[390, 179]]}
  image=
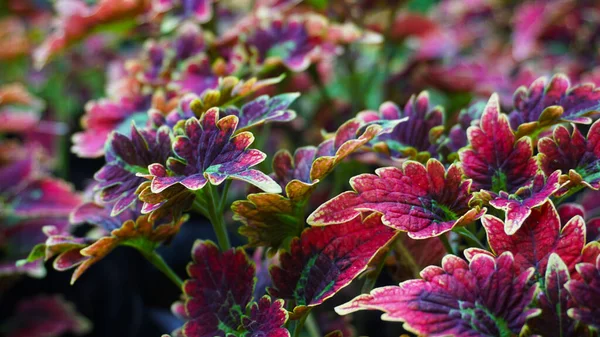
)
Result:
{"points": [[326, 259], [554, 300], [574, 155], [424, 201], [44, 316], [207, 150], [496, 161], [546, 103], [540, 236], [518, 206], [488, 297], [586, 294], [125, 158], [219, 297]]}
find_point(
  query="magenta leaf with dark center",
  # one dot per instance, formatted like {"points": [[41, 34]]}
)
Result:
{"points": [[573, 154], [207, 150], [586, 294], [411, 131], [219, 297], [125, 158], [263, 110], [487, 297], [554, 300], [424, 201], [326, 259], [496, 161], [44, 316], [518, 206], [539, 237], [545, 101], [286, 41]]}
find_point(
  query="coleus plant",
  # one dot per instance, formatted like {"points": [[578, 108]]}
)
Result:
{"points": [[185, 129], [156, 174]]}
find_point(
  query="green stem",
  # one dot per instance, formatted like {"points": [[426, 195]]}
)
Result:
{"points": [[312, 327], [216, 218], [471, 238], [161, 265], [199, 208], [446, 244], [300, 324], [224, 195], [407, 257], [371, 279], [567, 195]]}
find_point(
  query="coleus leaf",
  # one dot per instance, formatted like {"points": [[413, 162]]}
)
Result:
{"points": [[208, 151], [457, 137], [125, 158], [266, 318], [62, 244], [18, 169], [348, 138], [416, 129], [77, 20], [19, 238], [263, 110], [269, 219], [288, 42], [518, 206], [141, 234], [100, 119], [219, 294], [424, 201], [539, 237], [586, 294], [592, 225], [229, 90], [574, 155], [546, 103], [45, 197], [531, 21], [326, 259], [487, 297], [99, 214], [219, 289], [201, 10], [554, 301], [294, 172], [496, 161], [171, 202], [195, 77], [273, 220], [45, 315]]}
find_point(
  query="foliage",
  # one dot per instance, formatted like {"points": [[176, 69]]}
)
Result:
{"points": [[349, 143]]}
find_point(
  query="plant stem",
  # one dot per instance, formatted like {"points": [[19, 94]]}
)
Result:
{"points": [[199, 208], [161, 265], [446, 244], [472, 238], [300, 324], [312, 327], [371, 279], [567, 195], [407, 257], [216, 218], [224, 195]]}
